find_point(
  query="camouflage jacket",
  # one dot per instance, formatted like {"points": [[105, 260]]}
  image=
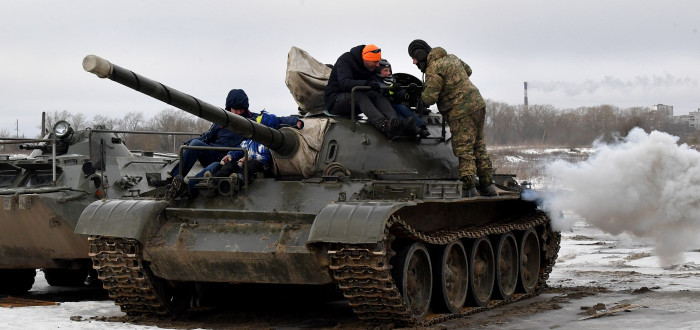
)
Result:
{"points": [[447, 84]]}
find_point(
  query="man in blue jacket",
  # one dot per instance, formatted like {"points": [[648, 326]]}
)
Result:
{"points": [[259, 157], [218, 136], [356, 68]]}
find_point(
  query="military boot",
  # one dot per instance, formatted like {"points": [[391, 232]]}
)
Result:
{"points": [[386, 128], [469, 187], [489, 190], [471, 192], [487, 187]]}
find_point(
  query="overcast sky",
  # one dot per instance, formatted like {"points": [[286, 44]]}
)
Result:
{"points": [[571, 53]]}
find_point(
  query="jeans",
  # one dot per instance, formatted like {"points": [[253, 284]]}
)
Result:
{"points": [[405, 113]]}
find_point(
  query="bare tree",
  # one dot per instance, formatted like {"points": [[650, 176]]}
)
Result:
{"points": [[132, 121], [76, 120], [104, 121]]}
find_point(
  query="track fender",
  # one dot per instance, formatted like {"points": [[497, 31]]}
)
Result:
{"points": [[137, 219], [353, 222]]}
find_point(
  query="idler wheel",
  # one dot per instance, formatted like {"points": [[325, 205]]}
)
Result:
{"points": [[506, 265], [451, 276], [413, 276], [529, 248], [481, 272]]}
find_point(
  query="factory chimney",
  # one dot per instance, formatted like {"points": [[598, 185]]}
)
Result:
{"points": [[526, 95]]}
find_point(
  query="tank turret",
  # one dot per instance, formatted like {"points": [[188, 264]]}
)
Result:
{"points": [[386, 221], [337, 145]]}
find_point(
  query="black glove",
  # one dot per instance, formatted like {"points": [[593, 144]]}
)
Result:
{"points": [[412, 87], [373, 85]]}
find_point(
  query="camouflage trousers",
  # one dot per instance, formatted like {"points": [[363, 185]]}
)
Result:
{"points": [[469, 146]]}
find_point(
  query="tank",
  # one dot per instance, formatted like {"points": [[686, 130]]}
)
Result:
{"points": [[44, 193], [384, 221]]}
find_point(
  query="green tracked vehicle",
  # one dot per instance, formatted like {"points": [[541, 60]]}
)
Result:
{"points": [[384, 220], [44, 193]]}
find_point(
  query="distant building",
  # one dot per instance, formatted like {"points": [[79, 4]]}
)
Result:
{"points": [[691, 120], [666, 110]]}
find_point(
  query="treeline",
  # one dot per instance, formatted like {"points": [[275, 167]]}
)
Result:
{"points": [[536, 125], [167, 120], [544, 125]]}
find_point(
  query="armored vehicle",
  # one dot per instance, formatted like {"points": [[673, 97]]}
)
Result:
{"points": [[44, 193], [384, 220]]}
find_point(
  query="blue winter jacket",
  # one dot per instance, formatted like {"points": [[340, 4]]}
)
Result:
{"points": [[218, 136], [255, 150]]}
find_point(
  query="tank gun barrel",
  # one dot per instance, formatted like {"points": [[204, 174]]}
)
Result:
{"points": [[284, 142]]}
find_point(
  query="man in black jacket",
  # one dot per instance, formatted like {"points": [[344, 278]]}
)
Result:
{"points": [[357, 68]]}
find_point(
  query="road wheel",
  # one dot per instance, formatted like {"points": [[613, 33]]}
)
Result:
{"points": [[529, 248], [506, 265], [451, 275], [481, 272], [413, 275]]}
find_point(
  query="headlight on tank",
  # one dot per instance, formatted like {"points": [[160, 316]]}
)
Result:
{"points": [[62, 129]]}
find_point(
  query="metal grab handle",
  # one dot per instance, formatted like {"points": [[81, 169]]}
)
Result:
{"points": [[245, 160]]}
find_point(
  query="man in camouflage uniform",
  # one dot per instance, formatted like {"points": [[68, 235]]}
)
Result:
{"points": [[447, 84]]}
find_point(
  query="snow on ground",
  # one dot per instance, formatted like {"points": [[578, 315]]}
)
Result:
{"points": [[620, 270], [59, 317]]}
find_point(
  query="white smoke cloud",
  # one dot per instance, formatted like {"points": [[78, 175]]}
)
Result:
{"points": [[646, 185], [609, 83]]}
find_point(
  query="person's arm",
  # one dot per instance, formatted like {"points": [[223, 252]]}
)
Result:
{"points": [[346, 79], [234, 154], [205, 136], [291, 121], [467, 68], [434, 84]]}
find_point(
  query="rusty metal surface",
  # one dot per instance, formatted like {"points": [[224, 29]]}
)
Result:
{"points": [[14, 302], [38, 229], [119, 266]]}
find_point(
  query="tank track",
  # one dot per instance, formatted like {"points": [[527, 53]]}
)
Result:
{"points": [[363, 272], [118, 262]]}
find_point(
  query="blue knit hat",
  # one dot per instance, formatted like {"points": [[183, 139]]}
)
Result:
{"points": [[237, 99]]}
